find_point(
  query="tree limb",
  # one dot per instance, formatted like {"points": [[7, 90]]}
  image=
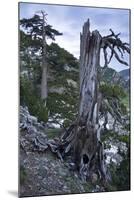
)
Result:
{"points": [[116, 55], [113, 41]]}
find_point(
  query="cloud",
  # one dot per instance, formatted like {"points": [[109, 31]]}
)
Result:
{"points": [[70, 19]]}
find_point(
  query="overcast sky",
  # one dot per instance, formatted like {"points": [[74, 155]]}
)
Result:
{"points": [[69, 20]]}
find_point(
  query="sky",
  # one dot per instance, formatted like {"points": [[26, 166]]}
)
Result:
{"points": [[70, 19]]}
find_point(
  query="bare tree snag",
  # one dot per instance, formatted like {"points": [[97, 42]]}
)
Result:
{"points": [[88, 148], [83, 138]]}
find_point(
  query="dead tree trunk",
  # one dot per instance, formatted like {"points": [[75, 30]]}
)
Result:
{"points": [[88, 135], [83, 137]]}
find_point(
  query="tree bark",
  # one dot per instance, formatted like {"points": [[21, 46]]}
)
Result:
{"points": [[83, 137], [44, 63]]}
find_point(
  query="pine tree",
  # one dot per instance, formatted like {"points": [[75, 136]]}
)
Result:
{"points": [[37, 31]]}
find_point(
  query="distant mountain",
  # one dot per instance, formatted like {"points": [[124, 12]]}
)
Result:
{"points": [[125, 74], [111, 76]]}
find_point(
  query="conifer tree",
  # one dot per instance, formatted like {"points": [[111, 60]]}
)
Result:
{"points": [[37, 31]]}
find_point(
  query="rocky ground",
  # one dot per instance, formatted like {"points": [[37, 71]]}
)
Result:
{"points": [[44, 174], [41, 171]]}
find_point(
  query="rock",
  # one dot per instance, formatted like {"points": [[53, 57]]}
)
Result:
{"points": [[97, 189], [32, 119], [94, 178], [72, 166], [58, 90], [72, 83], [31, 135]]}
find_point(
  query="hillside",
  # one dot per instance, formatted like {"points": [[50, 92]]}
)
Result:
{"points": [[121, 78], [39, 161], [125, 74]]}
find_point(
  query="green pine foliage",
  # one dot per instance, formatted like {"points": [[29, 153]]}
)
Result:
{"points": [[65, 105], [121, 174], [59, 57], [34, 31], [29, 98], [112, 91]]}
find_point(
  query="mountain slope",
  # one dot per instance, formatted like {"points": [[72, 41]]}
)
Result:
{"points": [[125, 74], [111, 76]]}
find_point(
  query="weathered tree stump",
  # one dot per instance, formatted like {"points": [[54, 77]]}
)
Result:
{"points": [[82, 139]]}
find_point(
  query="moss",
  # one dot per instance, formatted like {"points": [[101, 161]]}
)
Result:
{"points": [[52, 133], [108, 134], [87, 187], [121, 175], [23, 175], [77, 186], [126, 100], [110, 188], [70, 180]]}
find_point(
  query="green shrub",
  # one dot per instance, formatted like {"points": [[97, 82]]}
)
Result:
{"points": [[54, 132], [114, 91], [29, 98], [121, 174], [64, 106]]}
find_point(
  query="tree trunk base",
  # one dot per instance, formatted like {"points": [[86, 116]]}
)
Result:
{"points": [[86, 153]]}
